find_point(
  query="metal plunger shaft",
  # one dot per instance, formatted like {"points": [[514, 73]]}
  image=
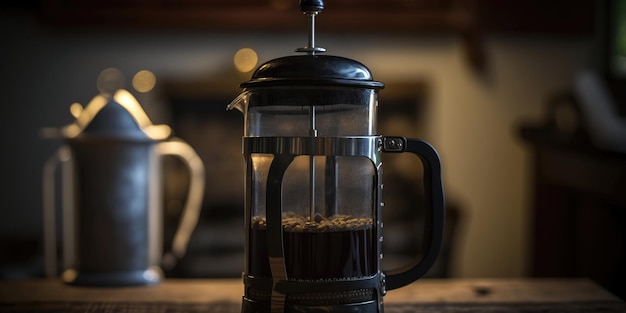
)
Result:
{"points": [[312, 133], [312, 9]]}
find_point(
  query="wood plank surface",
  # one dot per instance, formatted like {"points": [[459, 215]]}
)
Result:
{"points": [[231, 290], [427, 295], [537, 290]]}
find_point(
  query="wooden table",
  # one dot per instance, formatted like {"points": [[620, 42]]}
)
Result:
{"points": [[224, 296]]}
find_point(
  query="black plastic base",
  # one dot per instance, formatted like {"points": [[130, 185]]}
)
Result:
{"points": [[251, 306], [149, 276]]}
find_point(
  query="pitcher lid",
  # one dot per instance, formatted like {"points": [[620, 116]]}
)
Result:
{"points": [[117, 117]]}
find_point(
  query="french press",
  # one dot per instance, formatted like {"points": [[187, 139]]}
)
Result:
{"points": [[112, 200], [314, 186]]}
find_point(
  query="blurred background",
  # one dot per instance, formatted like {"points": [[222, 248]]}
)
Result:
{"points": [[524, 100]]}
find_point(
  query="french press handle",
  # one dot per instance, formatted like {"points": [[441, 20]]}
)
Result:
{"points": [[435, 213]]}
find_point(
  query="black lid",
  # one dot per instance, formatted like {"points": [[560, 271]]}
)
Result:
{"points": [[312, 70]]}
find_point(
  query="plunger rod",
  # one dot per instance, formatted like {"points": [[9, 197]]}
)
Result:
{"points": [[312, 133], [311, 9], [312, 32]]}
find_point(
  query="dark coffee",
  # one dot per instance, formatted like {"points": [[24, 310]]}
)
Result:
{"points": [[337, 247]]}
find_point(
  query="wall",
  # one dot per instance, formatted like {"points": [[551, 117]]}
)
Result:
{"points": [[473, 122], [471, 118]]}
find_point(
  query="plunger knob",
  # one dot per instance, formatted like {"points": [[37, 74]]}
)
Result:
{"points": [[311, 6]]}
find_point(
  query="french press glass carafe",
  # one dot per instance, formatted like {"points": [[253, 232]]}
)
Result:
{"points": [[314, 186]]}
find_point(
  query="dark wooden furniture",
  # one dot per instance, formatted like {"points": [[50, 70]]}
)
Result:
{"points": [[579, 208], [224, 296], [469, 19]]}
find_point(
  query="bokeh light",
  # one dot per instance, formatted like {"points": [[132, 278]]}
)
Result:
{"points": [[144, 81], [76, 109], [245, 60], [110, 80]]}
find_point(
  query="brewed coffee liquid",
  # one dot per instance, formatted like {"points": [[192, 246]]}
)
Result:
{"points": [[338, 247]]}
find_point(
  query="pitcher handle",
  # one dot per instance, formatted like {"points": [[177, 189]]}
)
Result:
{"points": [[60, 157], [191, 211], [435, 214]]}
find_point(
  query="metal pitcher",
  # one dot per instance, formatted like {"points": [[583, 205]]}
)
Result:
{"points": [[112, 195]]}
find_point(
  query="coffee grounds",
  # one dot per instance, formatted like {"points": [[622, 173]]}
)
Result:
{"points": [[340, 246], [298, 223]]}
